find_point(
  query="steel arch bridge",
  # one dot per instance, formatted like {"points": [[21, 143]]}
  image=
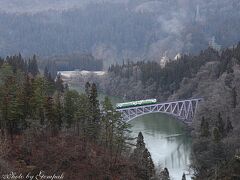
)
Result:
{"points": [[183, 110]]}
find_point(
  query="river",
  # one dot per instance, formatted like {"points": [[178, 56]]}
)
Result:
{"points": [[166, 138], [167, 141]]}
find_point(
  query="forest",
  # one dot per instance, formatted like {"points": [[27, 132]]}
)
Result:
{"points": [[70, 63], [47, 127], [150, 77], [112, 30], [211, 75]]}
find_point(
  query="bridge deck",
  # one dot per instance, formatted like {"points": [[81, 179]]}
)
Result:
{"points": [[182, 109]]}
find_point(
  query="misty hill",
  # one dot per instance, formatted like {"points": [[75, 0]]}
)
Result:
{"points": [[113, 30]]}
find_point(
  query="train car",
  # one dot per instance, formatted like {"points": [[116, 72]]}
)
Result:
{"points": [[136, 103]]}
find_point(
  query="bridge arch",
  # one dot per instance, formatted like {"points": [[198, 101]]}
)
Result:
{"points": [[184, 110]]}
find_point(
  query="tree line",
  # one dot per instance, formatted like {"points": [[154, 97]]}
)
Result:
{"points": [[70, 63], [147, 78], [212, 75], [119, 29], [39, 109]]}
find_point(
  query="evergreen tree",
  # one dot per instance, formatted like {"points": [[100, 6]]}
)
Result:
{"points": [[37, 100], [81, 116], [51, 116], [164, 175], [27, 95], [229, 126], [94, 113], [59, 109], [20, 100], [220, 125], [234, 97], [66, 87], [32, 66], [183, 176], [142, 158], [107, 124], [148, 163], [216, 135], [114, 129], [51, 86], [6, 81], [59, 83], [140, 141], [87, 89], [70, 106], [204, 128], [12, 105], [46, 72]]}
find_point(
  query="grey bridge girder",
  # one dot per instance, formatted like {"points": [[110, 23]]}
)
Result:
{"points": [[183, 110]]}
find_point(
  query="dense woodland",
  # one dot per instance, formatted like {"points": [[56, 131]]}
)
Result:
{"points": [[70, 63], [148, 76], [120, 28], [47, 127], [212, 75]]}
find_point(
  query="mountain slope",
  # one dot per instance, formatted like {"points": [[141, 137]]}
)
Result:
{"points": [[116, 29]]}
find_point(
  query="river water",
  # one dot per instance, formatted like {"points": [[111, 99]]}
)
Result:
{"points": [[167, 141], [166, 138]]}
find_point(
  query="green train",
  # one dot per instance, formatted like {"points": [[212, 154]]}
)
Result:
{"points": [[136, 103]]}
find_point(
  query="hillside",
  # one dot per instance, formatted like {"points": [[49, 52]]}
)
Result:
{"points": [[210, 75], [112, 30], [48, 130]]}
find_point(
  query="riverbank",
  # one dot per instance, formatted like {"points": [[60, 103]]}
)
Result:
{"points": [[167, 138]]}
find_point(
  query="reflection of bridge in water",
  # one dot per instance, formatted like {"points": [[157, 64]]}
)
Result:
{"points": [[183, 110]]}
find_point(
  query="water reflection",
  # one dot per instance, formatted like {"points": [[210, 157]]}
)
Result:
{"points": [[167, 140]]}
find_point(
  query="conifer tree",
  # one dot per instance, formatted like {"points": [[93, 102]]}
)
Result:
{"points": [[216, 135], [204, 128], [12, 105], [229, 126], [164, 175], [148, 163], [115, 132], [142, 158], [94, 113], [46, 72], [87, 89], [6, 74], [27, 95], [81, 116], [59, 109], [140, 141], [220, 125], [37, 100], [70, 106], [50, 112], [107, 122], [32, 66], [183, 176], [59, 83], [234, 97]]}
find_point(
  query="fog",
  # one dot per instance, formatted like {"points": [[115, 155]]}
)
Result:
{"points": [[116, 29]]}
